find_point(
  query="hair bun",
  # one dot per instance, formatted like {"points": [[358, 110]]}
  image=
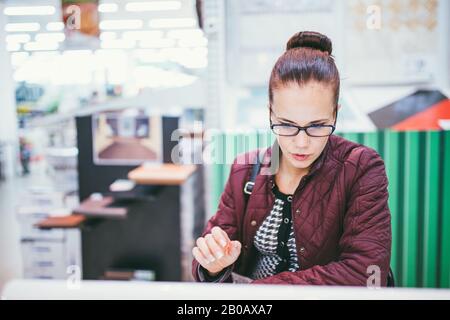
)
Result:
{"points": [[310, 39]]}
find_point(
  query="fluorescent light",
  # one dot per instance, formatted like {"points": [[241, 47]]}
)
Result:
{"points": [[185, 33], [13, 46], [22, 27], [120, 24], [117, 44], [23, 37], [149, 55], [153, 6], [195, 63], [157, 43], [45, 54], [190, 58], [29, 11], [78, 53], [200, 52], [142, 35], [50, 37], [18, 58], [193, 42], [153, 77], [35, 46], [108, 35], [55, 26], [107, 7], [172, 23], [189, 37]]}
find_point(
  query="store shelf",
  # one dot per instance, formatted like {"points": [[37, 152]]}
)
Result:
{"points": [[164, 174], [72, 221]]}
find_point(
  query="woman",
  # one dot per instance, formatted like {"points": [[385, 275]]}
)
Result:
{"points": [[322, 217]]}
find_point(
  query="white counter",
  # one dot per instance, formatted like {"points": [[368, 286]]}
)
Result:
{"points": [[56, 289]]}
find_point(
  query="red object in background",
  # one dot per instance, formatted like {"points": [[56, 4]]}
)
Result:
{"points": [[81, 17], [421, 110], [427, 119]]}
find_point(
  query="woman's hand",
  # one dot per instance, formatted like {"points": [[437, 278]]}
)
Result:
{"points": [[216, 251]]}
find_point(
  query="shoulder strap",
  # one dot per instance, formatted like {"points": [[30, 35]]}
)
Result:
{"points": [[248, 187]]}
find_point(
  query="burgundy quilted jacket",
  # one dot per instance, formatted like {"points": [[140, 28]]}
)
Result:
{"points": [[340, 214]]}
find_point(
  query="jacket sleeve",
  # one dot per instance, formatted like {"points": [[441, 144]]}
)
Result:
{"points": [[226, 218], [365, 245]]}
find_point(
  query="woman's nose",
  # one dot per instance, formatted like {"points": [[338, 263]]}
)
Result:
{"points": [[301, 139]]}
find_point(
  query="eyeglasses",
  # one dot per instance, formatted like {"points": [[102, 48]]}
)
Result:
{"points": [[290, 130]]}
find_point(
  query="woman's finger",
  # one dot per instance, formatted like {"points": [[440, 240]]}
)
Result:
{"points": [[213, 246], [236, 248], [218, 234], [201, 244], [198, 255], [224, 234]]}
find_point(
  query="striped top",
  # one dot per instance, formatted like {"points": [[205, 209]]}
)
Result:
{"points": [[275, 241]]}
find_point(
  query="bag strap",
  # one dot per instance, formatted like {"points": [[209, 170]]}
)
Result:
{"points": [[248, 187]]}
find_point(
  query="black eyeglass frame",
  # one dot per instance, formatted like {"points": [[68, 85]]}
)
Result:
{"points": [[272, 126], [300, 128]]}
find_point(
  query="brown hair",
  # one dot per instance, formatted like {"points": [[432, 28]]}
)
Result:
{"points": [[307, 58]]}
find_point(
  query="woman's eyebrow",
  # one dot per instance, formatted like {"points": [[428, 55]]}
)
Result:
{"points": [[286, 120], [312, 122], [320, 120]]}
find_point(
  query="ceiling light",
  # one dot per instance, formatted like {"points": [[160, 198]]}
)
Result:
{"points": [[22, 37], [29, 11], [36, 46], [50, 37], [153, 6], [120, 24], [108, 7], [172, 23], [55, 26], [21, 27]]}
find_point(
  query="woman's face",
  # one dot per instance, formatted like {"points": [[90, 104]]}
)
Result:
{"points": [[312, 103]]}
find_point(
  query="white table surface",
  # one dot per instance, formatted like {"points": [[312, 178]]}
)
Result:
{"points": [[57, 289]]}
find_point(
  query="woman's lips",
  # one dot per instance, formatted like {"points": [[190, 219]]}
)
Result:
{"points": [[300, 157]]}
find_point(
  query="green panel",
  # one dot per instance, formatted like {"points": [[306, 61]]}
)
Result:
{"points": [[241, 143], [352, 136], [381, 142], [216, 170], [411, 210], [391, 160], [444, 276], [265, 138], [371, 140], [431, 210]]}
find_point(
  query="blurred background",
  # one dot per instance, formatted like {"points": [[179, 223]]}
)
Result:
{"points": [[100, 97]]}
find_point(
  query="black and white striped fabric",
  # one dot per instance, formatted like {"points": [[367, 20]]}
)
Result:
{"points": [[269, 243]]}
